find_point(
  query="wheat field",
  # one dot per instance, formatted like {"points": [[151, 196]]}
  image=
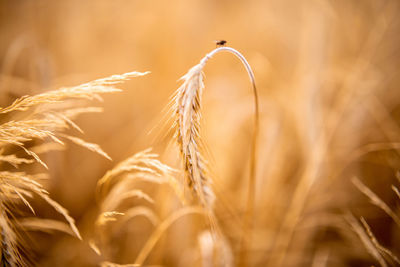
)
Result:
{"points": [[130, 137]]}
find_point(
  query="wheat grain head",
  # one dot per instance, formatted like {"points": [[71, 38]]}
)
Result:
{"points": [[187, 124]]}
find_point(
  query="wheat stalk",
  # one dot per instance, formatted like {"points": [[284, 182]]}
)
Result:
{"points": [[187, 108], [162, 227]]}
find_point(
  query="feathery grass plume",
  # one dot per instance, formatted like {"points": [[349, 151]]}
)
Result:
{"points": [[90, 91], [48, 122], [10, 255], [44, 225], [142, 166], [117, 185], [40, 122], [14, 160], [187, 108]]}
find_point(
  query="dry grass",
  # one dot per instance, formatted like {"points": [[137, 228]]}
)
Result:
{"points": [[383, 255], [187, 127], [118, 184], [46, 124], [238, 177]]}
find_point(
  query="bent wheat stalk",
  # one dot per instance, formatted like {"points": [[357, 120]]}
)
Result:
{"points": [[187, 106]]}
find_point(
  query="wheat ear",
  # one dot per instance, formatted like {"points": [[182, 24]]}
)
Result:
{"points": [[187, 105]]}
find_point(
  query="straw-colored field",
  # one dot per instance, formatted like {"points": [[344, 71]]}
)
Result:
{"points": [[278, 148]]}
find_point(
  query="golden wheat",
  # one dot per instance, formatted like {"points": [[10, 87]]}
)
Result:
{"points": [[327, 74], [187, 126]]}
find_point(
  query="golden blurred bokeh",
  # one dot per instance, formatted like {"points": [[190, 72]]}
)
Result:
{"points": [[327, 74]]}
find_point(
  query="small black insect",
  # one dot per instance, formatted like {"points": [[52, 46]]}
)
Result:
{"points": [[220, 42]]}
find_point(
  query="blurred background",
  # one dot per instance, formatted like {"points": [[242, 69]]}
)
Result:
{"points": [[328, 79]]}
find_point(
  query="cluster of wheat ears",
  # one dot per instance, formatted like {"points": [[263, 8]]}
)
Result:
{"points": [[34, 125]]}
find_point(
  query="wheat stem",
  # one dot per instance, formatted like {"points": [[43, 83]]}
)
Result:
{"points": [[247, 229], [161, 228], [188, 101]]}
